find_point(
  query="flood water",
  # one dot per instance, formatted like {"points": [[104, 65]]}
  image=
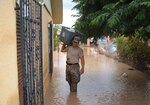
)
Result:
{"points": [[105, 82]]}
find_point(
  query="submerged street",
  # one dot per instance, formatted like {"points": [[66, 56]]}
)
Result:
{"points": [[104, 82]]}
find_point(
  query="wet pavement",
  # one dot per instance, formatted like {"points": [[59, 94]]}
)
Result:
{"points": [[105, 82]]}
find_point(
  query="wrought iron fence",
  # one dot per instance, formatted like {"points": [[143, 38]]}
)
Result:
{"points": [[31, 41]]}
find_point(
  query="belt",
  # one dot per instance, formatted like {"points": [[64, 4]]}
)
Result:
{"points": [[72, 63]]}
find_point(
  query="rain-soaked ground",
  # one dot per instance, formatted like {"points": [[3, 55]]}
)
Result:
{"points": [[105, 82]]}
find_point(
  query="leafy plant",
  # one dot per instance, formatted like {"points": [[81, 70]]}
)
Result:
{"points": [[134, 51], [56, 38]]}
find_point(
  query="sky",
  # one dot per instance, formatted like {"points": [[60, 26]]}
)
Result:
{"points": [[68, 20]]}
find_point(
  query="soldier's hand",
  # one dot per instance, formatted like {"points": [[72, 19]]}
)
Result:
{"points": [[82, 71]]}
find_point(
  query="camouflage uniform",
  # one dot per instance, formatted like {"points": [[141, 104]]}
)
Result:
{"points": [[73, 76]]}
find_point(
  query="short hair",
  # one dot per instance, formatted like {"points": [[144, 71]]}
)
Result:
{"points": [[77, 38]]}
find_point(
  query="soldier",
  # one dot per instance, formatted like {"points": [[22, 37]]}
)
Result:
{"points": [[73, 71]]}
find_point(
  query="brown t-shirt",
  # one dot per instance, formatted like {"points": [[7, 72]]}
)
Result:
{"points": [[73, 54]]}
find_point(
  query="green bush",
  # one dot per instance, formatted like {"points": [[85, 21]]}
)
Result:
{"points": [[140, 53], [56, 38], [122, 47], [134, 51]]}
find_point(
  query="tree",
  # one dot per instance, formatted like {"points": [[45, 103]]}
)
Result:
{"points": [[103, 17]]}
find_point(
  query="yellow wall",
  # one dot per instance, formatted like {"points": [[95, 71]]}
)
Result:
{"points": [[45, 20], [8, 56], [57, 11], [47, 3], [9, 93]]}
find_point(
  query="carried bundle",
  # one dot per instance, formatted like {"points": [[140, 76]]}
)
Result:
{"points": [[67, 35]]}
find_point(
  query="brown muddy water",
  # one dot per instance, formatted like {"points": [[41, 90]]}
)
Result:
{"points": [[105, 82]]}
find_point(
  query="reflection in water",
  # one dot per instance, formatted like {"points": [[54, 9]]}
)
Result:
{"points": [[72, 99]]}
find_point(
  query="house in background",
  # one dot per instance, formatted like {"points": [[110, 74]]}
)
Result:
{"points": [[26, 49]]}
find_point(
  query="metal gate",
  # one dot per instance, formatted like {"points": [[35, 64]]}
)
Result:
{"points": [[31, 42]]}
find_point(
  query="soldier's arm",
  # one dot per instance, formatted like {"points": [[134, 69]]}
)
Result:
{"points": [[82, 65]]}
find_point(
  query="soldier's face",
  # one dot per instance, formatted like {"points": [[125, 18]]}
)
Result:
{"points": [[75, 43]]}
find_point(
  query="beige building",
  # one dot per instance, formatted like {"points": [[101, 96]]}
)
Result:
{"points": [[26, 45]]}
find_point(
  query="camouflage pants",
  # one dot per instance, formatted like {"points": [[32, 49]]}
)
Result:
{"points": [[73, 76]]}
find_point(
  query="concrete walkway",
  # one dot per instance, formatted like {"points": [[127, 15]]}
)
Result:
{"points": [[105, 82]]}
